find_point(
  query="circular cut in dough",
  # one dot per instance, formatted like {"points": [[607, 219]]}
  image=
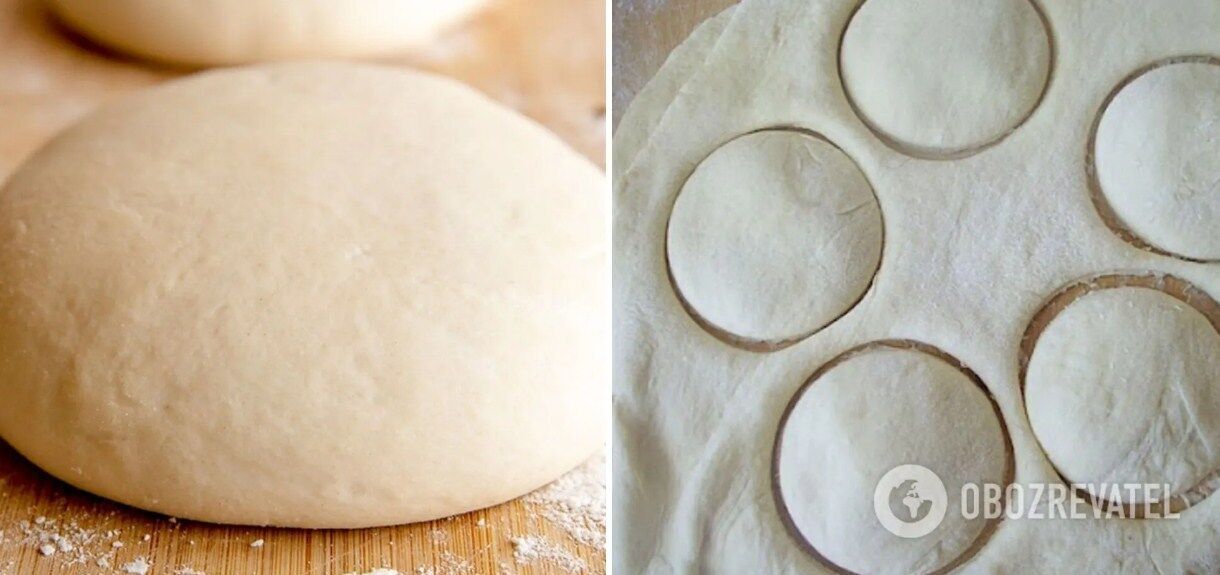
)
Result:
{"points": [[1157, 154], [1123, 386], [775, 235], [221, 32], [250, 297], [944, 78], [872, 410]]}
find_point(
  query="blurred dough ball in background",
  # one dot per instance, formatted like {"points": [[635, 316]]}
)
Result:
{"points": [[224, 32]]}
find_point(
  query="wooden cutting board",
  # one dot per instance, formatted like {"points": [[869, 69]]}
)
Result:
{"points": [[545, 58]]}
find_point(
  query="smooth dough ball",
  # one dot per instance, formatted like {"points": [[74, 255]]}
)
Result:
{"points": [[942, 78], [308, 295], [1123, 386], [775, 235], [875, 411], [1158, 158], [220, 32]]}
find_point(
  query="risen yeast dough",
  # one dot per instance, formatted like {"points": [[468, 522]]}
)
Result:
{"points": [[304, 295], [237, 31]]}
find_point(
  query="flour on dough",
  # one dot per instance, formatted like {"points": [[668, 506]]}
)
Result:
{"points": [[1158, 157], [975, 243], [941, 78], [876, 410], [774, 235], [1124, 387]]}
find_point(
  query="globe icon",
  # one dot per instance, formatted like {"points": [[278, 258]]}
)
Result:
{"points": [[906, 502]]}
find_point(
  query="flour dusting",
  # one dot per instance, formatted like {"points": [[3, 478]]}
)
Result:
{"points": [[576, 502], [138, 567], [529, 550], [66, 542]]}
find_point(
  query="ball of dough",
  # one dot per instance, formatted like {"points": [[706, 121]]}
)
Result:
{"points": [[943, 78], [1124, 387], [775, 235], [1158, 157], [221, 32], [308, 295], [874, 411]]}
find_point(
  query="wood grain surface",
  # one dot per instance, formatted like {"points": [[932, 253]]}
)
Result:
{"points": [[545, 58]]}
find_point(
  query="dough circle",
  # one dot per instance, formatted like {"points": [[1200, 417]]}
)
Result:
{"points": [[248, 297], [775, 235], [872, 410], [222, 32], [1157, 154], [944, 78], [1123, 386]]}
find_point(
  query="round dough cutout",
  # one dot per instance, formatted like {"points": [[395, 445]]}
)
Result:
{"points": [[225, 32], [248, 297], [775, 235], [942, 79], [866, 412], [1123, 386], [1157, 157]]}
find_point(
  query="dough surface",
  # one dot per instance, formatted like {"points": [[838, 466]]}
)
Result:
{"points": [[876, 410], [1124, 387], [1158, 157], [774, 235], [974, 246], [941, 78], [223, 32], [308, 295]]}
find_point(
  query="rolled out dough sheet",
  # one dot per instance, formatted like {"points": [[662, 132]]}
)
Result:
{"points": [[974, 247]]}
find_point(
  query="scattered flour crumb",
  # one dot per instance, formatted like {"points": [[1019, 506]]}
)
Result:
{"points": [[449, 564], [257, 543], [147, 537], [64, 542], [138, 567], [184, 570], [528, 550], [576, 502], [453, 565]]}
